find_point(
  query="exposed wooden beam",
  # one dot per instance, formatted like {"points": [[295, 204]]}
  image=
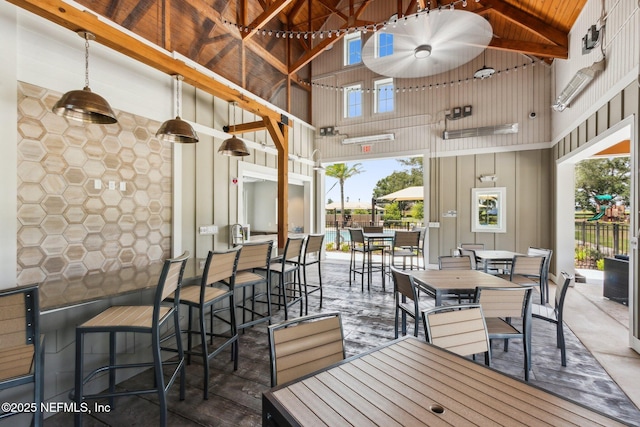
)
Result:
{"points": [[74, 19], [280, 136], [314, 53], [266, 16], [246, 127], [530, 48], [529, 22], [140, 9], [166, 24]]}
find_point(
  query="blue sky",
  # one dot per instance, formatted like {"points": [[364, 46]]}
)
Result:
{"points": [[360, 187]]}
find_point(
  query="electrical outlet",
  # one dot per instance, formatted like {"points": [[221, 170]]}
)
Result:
{"points": [[97, 184], [112, 185], [123, 186], [208, 230]]}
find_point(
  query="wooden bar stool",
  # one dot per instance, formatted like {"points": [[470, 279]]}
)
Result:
{"points": [[146, 319]]}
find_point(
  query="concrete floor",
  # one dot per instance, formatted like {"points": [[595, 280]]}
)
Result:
{"points": [[603, 328], [368, 322]]}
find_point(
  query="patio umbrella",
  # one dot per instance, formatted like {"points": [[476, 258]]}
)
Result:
{"points": [[409, 193]]}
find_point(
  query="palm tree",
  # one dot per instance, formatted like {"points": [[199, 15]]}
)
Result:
{"points": [[342, 172]]}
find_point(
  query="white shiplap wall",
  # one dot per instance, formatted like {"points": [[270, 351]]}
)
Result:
{"points": [[418, 119], [622, 52]]}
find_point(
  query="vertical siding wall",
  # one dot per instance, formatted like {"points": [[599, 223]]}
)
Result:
{"points": [[208, 192], [622, 50], [525, 174], [419, 116]]}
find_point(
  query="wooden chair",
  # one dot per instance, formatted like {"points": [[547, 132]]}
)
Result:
{"points": [[254, 257], [544, 283], [373, 229], [527, 271], [21, 347], [312, 255], [298, 347], [406, 300], [471, 253], [499, 306], [555, 314], [406, 244], [148, 319], [363, 247], [202, 298], [472, 246], [458, 328], [446, 262], [287, 268]]}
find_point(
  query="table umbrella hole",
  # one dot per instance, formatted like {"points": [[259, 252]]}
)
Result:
{"points": [[436, 409]]}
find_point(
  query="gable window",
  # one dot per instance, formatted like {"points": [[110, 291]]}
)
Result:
{"points": [[352, 48], [383, 94], [352, 101], [385, 45]]}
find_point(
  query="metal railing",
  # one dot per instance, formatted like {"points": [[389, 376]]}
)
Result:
{"points": [[598, 240], [339, 228]]}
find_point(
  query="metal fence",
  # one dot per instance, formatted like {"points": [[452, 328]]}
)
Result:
{"points": [[598, 240], [340, 228]]}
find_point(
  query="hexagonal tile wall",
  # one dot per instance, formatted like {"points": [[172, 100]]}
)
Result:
{"points": [[73, 218]]}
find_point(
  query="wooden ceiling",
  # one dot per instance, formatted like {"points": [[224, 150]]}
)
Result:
{"points": [[227, 37]]}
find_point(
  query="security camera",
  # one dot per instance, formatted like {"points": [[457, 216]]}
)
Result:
{"points": [[532, 115]]}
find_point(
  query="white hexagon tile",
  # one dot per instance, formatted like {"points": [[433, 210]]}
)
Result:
{"points": [[69, 226]]}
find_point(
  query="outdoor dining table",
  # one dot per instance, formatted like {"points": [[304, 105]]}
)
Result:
{"points": [[493, 257], [438, 283], [409, 382]]}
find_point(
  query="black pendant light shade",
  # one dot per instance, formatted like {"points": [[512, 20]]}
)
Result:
{"points": [[233, 147], [84, 105], [177, 130]]}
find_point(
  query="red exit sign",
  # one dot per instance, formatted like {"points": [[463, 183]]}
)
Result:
{"points": [[366, 148]]}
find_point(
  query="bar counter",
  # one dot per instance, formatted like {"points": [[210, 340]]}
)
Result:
{"points": [[64, 293]]}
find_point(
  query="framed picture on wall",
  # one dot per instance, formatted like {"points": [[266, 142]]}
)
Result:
{"points": [[488, 207]]}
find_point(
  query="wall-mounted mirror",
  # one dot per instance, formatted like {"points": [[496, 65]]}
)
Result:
{"points": [[489, 210]]}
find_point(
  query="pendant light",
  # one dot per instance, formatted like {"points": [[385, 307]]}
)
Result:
{"points": [[84, 105], [177, 130], [233, 146], [485, 71]]}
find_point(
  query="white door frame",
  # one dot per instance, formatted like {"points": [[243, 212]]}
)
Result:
{"points": [[565, 208]]}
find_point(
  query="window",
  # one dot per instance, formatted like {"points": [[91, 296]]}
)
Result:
{"points": [[385, 45], [352, 48], [353, 101], [384, 95]]}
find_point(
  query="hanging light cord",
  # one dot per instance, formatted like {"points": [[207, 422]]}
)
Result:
{"points": [[179, 79], [86, 60]]}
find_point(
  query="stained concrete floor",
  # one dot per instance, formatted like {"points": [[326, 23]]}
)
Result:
{"points": [[235, 397]]}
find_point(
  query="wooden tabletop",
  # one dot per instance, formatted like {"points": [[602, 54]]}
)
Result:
{"points": [[456, 280], [412, 383]]}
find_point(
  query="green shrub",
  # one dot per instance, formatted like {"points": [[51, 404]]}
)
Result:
{"points": [[600, 264], [345, 247]]}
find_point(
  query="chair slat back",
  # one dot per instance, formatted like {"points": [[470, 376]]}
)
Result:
{"points": [[471, 254], [473, 246], [372, 229], [356, 235], [460, 329], [293, 248], [403, 284], [561, 293], [503, 302], [254, 255], [304, 345], [18, 331], [171, 277], [446, 262], [220, 266], [407, 239], [527, 265], [314, 244]]}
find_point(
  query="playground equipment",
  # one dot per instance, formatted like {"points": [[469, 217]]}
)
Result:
{"points": [[603, 207]]}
